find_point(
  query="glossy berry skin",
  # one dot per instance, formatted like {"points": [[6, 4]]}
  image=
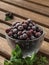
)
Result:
{"points": [[30, 25], [24, 25], [33, 24], [8, 30], [37, 34], [29, 28], [19, 33], [25, 36], [10, 33], [20, 28], [24, 31], [21, 37], [15, 36], [14, 30], [17, 24], [32, 37], [29, 21], [29, 33], [34, 28]]}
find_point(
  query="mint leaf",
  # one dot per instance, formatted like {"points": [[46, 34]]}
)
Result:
{"points": [[17, 52], [17, 61], [27, 60], [7, 18], [17, 58], [6, 62]]}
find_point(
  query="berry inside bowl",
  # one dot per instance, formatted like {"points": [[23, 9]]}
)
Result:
{"points": [[27, 35]]}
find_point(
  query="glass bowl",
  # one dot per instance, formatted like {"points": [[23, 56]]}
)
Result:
{"points": [[28, 46]]}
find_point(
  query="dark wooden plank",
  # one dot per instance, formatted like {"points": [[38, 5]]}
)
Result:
{"points": [[2, 17], [29, 6], [41, 2], [26, 14], [4, 47]]}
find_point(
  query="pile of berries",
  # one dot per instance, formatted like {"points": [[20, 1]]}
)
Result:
{"points": [[26, 30]]}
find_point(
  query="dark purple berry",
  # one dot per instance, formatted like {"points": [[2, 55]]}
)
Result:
{"points": [[10, 33], [20, 28], [8, 30], [14, 30], [24, 31], [32, 37], [29, 28], [37, 29], [29, 21], [21, 37], [41, 31], [17, 24], [37, 34], [29, 33], [24, 25], [30, 25], [28, 38], [15, 36], [33, 24], [34, 32], [25, 36], [19, 33], [34, 27]]}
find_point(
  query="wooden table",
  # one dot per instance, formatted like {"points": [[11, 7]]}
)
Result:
{"points": [[37, 10]]}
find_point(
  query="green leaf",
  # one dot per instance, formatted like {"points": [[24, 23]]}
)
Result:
{"points": [[27, 60], [17, 61], [17, 52], [6, 62], [7, 18]]}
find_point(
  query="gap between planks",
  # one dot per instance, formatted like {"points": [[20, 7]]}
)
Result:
{"points": [[41, 2], [42, 20]]}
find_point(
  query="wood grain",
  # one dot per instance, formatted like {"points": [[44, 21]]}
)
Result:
{"points": [[42, 20], [31, 6], [44, 2], [2, 60]]}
